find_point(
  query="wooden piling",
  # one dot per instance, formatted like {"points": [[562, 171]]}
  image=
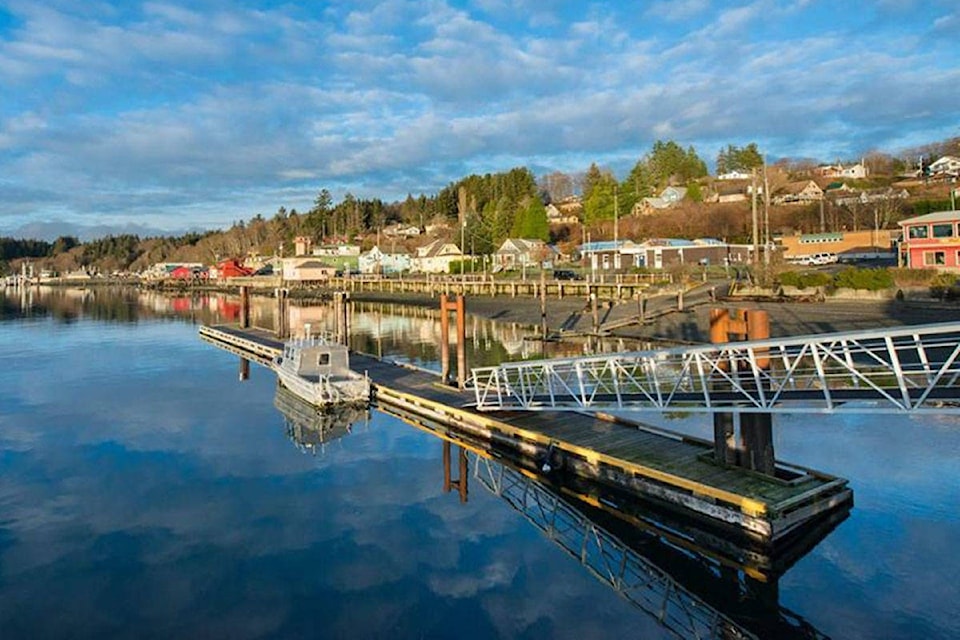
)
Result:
{"points": [[595, 310], [282, 320], [754, 448], [244, 307], [543, 305], [444, 341], [461, 342]]}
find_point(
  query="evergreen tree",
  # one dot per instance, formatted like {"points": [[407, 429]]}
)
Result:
{"points": [[531, 223]]}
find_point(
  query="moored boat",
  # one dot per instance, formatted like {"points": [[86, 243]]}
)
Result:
{"points": [[318, 371]]}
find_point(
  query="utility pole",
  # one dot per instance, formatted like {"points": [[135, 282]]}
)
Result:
{"points": [[753, 214], [616, 217], [766, 214]]}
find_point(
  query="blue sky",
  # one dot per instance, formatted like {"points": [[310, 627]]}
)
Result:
{"points": [[174, 115]]}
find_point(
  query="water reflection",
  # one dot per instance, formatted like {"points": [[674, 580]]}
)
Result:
{"points": [[311, 428], [693, 580]]}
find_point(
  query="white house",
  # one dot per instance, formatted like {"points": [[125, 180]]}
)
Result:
{"points": [[307, 270], [735, 175], [337, 250], [376, 261], [401, 231], [436, 257], [669, 197], [799, 193], [856, 172], [516, 252], [947, 166]]}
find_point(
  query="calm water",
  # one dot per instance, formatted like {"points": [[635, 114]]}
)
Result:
{"points": [[146, 492]]}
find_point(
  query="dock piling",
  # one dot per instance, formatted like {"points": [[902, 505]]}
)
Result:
{"points": [[459, 307]]}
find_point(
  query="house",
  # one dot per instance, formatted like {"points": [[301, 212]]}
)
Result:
{"points": [[517, 252], [401, 231], [302, 246], [735, 175], [732, 192], [307, 270], [437, 225], [855, 172], [164, 269], [184, 272], [565, 211], [669, 197], [869, 196], [931, 241], [946, 167], [230, 268], [436, 257], [337, 251], [800, 192], [376, 261]]}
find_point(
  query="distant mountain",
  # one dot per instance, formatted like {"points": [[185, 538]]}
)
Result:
{"points": [[50, 231]]}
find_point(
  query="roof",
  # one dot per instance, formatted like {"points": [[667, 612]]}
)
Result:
{"points": [[604, 245], [937, 216], [314, 264], [520, 245], [436, 249]]}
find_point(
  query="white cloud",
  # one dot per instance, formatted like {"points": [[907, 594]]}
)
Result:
{"points": [[230, 107]]}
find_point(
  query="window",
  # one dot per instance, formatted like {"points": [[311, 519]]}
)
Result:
{"points": [[918, 232], [934, 258], [943, 230], [323, 359]]}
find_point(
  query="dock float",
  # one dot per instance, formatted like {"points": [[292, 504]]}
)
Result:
{"points": [[669, 470]]}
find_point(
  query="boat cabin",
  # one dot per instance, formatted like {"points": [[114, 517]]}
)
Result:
{"points": [[331, 360]]}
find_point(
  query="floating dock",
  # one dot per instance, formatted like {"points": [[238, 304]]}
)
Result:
{"points": [[667, 469]]}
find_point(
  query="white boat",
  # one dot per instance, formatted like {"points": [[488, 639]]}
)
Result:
{"points": [[318, 371]]}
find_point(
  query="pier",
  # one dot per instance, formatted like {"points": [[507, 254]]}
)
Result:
{"points": [[667, 469]]}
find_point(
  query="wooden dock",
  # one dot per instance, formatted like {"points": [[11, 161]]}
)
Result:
{"points": [[670, 470]]}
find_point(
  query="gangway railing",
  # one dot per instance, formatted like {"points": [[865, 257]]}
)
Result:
{"points": [[893, 370]]}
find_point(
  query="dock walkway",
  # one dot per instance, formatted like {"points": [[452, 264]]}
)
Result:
{"points": [[667, 468]]}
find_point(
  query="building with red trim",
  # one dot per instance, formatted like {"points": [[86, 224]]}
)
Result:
{"points": [[931, 241]]}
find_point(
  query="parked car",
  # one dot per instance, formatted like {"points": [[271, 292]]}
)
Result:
{"points": [[565, 274], [823, 258]]}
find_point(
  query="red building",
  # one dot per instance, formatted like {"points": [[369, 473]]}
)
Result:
{"points": [[931, 241], [232, 268]]}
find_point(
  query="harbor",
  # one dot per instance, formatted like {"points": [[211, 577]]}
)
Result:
{"points": [[679, 472], [244, 488]]}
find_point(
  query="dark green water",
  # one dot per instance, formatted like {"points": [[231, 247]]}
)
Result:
{"points": [[146, 492]]}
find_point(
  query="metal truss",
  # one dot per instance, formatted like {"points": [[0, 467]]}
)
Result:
{"points": [[902, 370], [608, 559]]}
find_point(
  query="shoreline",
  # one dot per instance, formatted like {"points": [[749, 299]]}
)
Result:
{"points": [[788, 318]]}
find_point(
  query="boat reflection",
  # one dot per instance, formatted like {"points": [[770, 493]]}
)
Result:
{"points": [[696, 582], [311, 428]]}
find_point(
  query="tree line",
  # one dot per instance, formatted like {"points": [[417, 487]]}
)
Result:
{"points": [[483, 210]]}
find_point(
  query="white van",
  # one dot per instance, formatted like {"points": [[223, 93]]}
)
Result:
{"points": [[823, 258]]}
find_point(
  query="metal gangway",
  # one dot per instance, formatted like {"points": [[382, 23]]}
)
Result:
{"points": [[911, 369]]}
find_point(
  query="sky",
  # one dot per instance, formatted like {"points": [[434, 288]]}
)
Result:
{"points": [[166, 116]]}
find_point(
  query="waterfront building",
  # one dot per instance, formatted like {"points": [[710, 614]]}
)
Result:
{"points": [[376, 261], [436, 257], [931, 241]]}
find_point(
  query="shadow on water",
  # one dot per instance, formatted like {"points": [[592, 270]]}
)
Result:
{"points": [[311, 428], [693, 580]]}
